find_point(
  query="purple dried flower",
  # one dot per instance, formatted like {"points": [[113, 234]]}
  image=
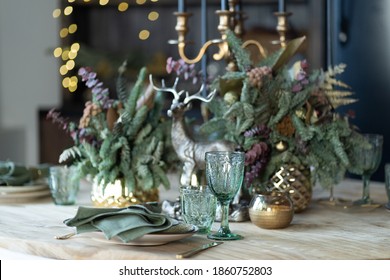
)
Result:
{"points": [[260, 130], [101, 95], [297, 88], [182, 68], [256, 160], [301, 78]]}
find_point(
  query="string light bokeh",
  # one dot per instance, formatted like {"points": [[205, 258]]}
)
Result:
{"points": [[68, 54]]}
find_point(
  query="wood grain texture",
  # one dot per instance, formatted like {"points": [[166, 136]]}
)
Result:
{"points": [[319, 232]]}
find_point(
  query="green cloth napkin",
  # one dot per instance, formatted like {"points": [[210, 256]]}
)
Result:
{"points": [[126, 223], [13, 174]]}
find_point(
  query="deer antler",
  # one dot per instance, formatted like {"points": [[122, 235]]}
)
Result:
{"points": [[172, 89], [197, 96]]}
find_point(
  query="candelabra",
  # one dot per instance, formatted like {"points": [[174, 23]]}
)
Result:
{"points": [[230, 18]]}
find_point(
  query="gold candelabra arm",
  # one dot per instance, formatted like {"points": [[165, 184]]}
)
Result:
{"points": [[182, 30], [260, 48], [282, 27], [202, 51]]}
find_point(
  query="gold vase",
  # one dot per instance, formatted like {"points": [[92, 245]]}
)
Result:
{"points": [[116, 195], [295, 180]]}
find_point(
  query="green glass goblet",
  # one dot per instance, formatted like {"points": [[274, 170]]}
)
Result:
{"points": [[225, 174], [387, 184], [369, 158]]}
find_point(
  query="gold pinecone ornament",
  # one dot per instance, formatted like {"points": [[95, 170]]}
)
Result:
{"points": [[295, 180]]}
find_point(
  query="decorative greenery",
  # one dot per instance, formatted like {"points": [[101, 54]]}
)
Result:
{"points": [[279, 114], [122, 138]]}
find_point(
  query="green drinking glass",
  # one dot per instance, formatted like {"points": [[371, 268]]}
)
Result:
{"points": [[369, 157], [225, 174]]}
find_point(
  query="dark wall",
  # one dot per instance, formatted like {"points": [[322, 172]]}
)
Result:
{"points": [[361, 39]]}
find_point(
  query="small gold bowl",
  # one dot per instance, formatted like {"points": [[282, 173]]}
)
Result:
{"points": [[272, 210]]}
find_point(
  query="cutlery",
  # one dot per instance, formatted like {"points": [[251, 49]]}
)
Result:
{"points": [[66, 236], [197, 250]]}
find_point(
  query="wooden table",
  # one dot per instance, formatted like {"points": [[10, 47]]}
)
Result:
{"points": [[320, 232]]}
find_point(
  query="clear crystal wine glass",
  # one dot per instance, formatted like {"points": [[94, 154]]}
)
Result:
{"points": [[338, 175], [369, 158], [225, 174]]}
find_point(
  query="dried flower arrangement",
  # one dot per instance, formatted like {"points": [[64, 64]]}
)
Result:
{"points": [[122, 138], [279, 114]]}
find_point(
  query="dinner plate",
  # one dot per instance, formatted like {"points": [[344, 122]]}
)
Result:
{"points": [[23, 196], [152, 239], [19, 189]]}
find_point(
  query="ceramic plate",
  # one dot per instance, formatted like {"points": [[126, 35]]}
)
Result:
{"points": [[152, 239], [23, 196], [19, 189]]}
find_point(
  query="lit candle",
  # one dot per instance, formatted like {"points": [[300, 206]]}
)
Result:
{"points": [[223, 5], [282, 6], [181, 6]]}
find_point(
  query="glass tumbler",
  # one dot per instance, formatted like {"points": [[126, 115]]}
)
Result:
{"points": [[63, 185], [198, 206]]}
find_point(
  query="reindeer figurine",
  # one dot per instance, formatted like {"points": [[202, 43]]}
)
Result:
{"points": [[190, 152]]}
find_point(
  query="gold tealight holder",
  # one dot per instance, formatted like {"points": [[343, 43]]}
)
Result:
{"points": [[272, 210]]}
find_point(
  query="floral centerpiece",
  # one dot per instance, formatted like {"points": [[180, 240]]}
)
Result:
{"points": [[119, 139], [281, 114]]}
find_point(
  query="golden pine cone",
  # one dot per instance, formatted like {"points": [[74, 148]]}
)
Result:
{"points": [[295, 180]]}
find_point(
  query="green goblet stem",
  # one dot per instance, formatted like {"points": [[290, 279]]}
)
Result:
{"points": [[225, 230], [366, 188]]}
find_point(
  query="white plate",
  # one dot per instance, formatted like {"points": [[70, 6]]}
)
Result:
{"points": [[19, 189], [152, 239], [23, 196]]}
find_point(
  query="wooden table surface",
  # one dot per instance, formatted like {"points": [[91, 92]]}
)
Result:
{"points": [[320, 232]]}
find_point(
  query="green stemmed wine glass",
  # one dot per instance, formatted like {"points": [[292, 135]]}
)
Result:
{"points": [[225, 174], [369, 158]]}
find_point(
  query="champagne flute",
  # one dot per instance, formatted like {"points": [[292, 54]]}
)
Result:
{"points": [[369, 157], [225, 174]]}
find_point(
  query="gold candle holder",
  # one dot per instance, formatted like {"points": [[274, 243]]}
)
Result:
{"points": [[282, 27], [182, 26]]}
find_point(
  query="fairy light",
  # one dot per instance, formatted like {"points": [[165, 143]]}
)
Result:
{"points": [[153, 16], [144, 34], [65, 55], [70, 64], [56, 13], [57, 52], [64, 32], [123, 6], [72, 28], [69, 54], [68, 10]]}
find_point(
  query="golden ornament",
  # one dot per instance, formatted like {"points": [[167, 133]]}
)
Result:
{"points": [[281, 146]]}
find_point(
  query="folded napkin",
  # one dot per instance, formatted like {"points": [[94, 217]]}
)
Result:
{"points": [[13, 174], [126, 223]]}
